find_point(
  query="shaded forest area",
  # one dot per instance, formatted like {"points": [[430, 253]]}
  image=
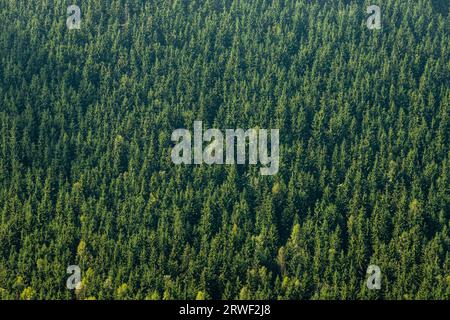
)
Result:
{"points": [[86, 176]]}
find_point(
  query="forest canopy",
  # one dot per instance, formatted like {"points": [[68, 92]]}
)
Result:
{"points": [[86, 176]]}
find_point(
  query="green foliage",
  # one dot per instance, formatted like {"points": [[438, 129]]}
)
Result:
{"points": [[86, 176]]}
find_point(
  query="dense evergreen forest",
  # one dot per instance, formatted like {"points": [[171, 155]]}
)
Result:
{"points": [[86, 177]]}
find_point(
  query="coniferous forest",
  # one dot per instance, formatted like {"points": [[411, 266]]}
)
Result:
{"points": [[86, 177]]}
